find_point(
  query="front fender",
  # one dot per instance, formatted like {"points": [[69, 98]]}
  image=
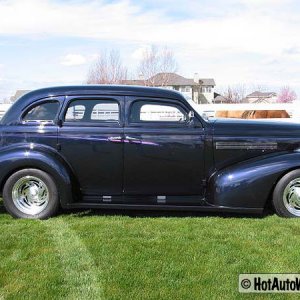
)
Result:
{"points": [[249, 184], [20, 157]]}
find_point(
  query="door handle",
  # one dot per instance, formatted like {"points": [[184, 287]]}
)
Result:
{"points": [[132, 140], [115, 139]]}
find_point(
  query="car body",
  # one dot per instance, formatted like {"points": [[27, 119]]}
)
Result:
{"points": [[128, 147]]}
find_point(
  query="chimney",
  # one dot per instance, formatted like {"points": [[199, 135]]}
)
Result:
{"points": [[196, 77]]}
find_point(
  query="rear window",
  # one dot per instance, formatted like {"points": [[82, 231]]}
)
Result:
{"points": [[46, 111]]}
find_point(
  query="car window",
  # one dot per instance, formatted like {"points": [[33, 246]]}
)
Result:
{"points": [[46, 111], [92, 110], [108, 111], [75, 112], [142, 111]]}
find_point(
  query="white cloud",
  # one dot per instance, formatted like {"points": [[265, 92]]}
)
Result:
{"points": [[251, 30], [73, 60], [139, 52], [245, 44]]}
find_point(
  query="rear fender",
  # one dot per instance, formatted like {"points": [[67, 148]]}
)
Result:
{"points": [[42, 158]]}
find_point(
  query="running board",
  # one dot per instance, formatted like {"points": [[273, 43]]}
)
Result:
{"points": [[203, 208]]}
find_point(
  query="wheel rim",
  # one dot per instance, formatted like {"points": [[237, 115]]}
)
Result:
{"points": [[30, 195], [291, 197]]}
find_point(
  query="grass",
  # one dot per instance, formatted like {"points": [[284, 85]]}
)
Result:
{"points": [[92, 255]]}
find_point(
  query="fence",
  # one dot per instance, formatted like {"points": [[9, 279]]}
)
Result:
{"points": [[293, 109]]}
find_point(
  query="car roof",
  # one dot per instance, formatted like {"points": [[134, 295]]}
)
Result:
{"points": [[82, 90], [122, 90]]}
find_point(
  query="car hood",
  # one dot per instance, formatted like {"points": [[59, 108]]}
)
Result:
{"points": [[236, 140], [257, 128]]}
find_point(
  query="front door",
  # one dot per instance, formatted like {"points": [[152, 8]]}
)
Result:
{"points": [[91, 141], [163, 152]]}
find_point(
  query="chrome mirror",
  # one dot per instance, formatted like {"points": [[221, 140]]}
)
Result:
{"points": [[191, 116]]}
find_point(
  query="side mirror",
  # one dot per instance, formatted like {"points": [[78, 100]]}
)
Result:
{"points": [[191, 117]]}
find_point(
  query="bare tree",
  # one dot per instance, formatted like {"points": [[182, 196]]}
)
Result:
{"points": [[108, 69], [155, 61], [234, 93], [286, 95], [259, 88]]}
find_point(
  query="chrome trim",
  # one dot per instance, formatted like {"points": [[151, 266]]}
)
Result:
{"points": [[291, 197], [246, 146], [30, 195]]}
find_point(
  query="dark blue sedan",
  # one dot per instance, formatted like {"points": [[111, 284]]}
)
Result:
{"points": [[127, 147]]}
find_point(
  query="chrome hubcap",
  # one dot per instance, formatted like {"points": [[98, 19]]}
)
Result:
{"points": [[30, 195], [291, 197]]}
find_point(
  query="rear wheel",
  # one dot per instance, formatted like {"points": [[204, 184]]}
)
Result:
{"points": [[31, 194], [286, 196]]}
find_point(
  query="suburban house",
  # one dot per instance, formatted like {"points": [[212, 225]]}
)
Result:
{"points": [[261, 97], [201, 90], [220, 99]]}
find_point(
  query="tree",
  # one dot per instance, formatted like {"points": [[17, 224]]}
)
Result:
{"points": [[108, 69], [286, 95], [235, 93], [156, 61]]}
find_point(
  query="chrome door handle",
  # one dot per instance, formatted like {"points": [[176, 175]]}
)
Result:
{"points": [[115, 139], [132, 139]]}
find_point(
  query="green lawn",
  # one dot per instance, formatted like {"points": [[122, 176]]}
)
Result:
{"points": [[92, 255]]}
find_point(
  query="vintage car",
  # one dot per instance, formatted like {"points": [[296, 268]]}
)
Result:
{"points": [[123, 147]]}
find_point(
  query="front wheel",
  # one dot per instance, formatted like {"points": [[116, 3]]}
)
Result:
{"points": [[31, 194], [286, 196]]}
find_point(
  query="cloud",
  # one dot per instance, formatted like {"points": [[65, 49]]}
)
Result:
{"points": [[232, 41], [139, 52], [73, 60], [250, 30]]}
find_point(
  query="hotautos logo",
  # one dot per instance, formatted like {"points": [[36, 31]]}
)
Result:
{"points": [[269, 283]]}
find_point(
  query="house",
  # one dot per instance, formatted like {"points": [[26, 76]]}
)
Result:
{"points": [[220, 99], [17, 95], [261, 97], [201, 90]]}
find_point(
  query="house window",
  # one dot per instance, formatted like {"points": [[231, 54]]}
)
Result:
{"points": [[186, 89], [206, 89]]}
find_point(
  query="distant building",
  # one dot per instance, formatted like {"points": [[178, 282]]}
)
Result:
{"points": [[261, 97], [201, 90], [219, 99], [17, 95]]}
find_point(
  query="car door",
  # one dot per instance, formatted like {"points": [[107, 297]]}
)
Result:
{"points": [[91, 142], [163, 152]]}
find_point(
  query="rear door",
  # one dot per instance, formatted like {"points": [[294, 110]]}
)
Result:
{"points": [[91, 142], [164, 153]]}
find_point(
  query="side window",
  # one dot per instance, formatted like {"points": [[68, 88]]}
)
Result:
{"points": [[108, 111], [142, 111], [93, 110], [75, 112], [46, 111]]}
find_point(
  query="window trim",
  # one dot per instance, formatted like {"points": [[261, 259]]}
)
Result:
{"points": [[92, 123], [162, 102], [35, 104]]}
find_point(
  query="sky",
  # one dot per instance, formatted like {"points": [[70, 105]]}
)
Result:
{"points": [[54, 42]]}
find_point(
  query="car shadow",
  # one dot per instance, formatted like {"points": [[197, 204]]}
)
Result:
{"points": [[82, 213]]}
